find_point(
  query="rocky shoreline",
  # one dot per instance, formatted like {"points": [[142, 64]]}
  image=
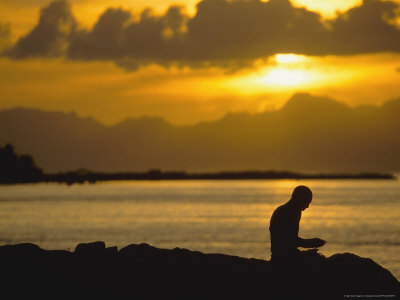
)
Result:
{"points": [[94, 271]]}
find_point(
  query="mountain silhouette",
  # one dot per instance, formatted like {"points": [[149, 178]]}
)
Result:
{"points": [[307, 134]]}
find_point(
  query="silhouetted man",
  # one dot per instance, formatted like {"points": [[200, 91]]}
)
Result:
{"points": [[284, 226]]}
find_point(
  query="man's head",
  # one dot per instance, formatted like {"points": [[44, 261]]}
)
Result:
{"points": [[301, 197]]}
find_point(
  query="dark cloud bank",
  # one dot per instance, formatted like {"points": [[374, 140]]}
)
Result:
{"points": [[221, 32], [307, 134]]}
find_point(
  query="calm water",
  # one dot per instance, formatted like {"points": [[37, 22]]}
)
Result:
{"points": [[232, 217]]}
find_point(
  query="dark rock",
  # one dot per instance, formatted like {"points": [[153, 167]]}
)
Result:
{"points": [[59, 253], [95, 248], [111, 250], [145, 272], [23, 250], [360, 275]]}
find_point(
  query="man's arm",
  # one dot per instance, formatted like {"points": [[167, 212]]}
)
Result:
{"points": [[310, 243]]}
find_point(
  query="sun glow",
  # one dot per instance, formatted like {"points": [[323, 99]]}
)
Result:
{"points": [[328, 9], [288, 58], [286, 77]]}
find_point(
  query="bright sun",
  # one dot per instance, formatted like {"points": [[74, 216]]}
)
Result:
{"points": [[282, 72], [287, 72], [288, 58], [286, 77]]}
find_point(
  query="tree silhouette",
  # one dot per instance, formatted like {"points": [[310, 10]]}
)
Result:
{"points": [[17, 168]]}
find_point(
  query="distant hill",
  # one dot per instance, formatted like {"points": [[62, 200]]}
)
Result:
{"points": [[307, 134]]}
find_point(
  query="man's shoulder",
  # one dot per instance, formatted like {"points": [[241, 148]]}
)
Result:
{"points": [[278, 212], [283, 211]]}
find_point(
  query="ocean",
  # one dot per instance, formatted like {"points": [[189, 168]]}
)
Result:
{"points": [[212, 216]]}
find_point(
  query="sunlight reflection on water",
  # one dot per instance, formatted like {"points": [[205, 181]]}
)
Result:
{"points": [[232, 217]]}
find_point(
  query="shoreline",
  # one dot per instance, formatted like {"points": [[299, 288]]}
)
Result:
{"points": [[93, 177]]}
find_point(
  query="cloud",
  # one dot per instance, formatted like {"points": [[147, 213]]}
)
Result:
{"points": [[105, 41], [115, 36], [250, 29], [51, 36], [367, 28], [222, 33]]}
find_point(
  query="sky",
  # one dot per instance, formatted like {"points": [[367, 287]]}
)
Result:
{"points": [[190, 61]]}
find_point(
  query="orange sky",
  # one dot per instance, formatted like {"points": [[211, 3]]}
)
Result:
{"points": [[184, 93]]}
